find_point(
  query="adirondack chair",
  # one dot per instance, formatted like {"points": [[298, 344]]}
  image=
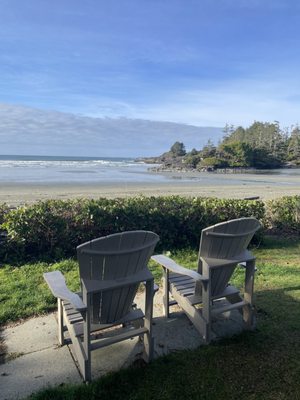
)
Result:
{"points": [[111, 269], [222, 248]]}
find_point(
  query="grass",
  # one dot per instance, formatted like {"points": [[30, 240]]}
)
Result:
{"points": [[264, 364], [24, 293]]}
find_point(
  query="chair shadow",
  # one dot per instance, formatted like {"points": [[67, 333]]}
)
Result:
{"points": [[178, 333], [279, 302]]}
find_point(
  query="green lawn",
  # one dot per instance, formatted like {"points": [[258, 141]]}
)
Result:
{"points": [[264, 364]]}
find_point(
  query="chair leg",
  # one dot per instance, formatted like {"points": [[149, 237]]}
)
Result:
{"points": [[206, 302], [206, 327], [148, 338], [248, 317], [200, 322], [248, 295], [166, 292], [60, 319], [87, 374]]}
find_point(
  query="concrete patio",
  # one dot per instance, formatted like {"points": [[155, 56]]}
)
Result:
{"points": [[35, 361]]}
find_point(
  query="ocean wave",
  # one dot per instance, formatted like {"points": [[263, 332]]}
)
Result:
{"points": [[64, 170], [66, 163]]}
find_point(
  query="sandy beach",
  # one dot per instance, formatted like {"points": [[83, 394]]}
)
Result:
{"points": [[232, 186]]}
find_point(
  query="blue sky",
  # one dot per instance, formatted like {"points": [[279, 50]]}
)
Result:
{"points": [[199, 62]]}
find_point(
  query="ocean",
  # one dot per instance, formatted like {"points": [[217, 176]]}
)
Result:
{"points": [[50, 169], [80, 170]]}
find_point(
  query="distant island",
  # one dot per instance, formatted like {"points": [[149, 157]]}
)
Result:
{"points": [[263, 145]]}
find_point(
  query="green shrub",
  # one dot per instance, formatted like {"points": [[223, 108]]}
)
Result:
{"points": [[283, 214], [4, 209], [52, 229]]}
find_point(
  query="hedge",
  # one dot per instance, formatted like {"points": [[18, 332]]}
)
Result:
{"points": [[4, 209], [283, 215], [52, 229]]}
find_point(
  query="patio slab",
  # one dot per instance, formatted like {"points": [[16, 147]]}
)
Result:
{"points": [[33, 371], [35, 361]]}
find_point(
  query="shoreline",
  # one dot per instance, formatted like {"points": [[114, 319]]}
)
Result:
{"points": [[15, 194]]}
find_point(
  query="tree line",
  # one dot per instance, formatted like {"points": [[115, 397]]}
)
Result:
{"points": [[261, 145]]}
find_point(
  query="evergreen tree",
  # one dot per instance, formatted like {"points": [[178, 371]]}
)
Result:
{"points": [[194, 152], [178, 149], [261, 145], [228, 130], [209, 150], [237, 154], [293, 150]]}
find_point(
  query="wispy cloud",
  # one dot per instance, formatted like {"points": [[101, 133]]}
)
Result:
{"points": [[26, 130], [197, 62], [239, 102]]}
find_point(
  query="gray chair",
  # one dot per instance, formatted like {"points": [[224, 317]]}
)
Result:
{"points": [[222, 248], [111, 270]]}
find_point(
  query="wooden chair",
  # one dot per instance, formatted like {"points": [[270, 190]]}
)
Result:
{"points": [[222, 248], [111, 269]]}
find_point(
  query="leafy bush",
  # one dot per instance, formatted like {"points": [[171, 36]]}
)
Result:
{"points": [[284, 214], [4, 209], [52, 229]]}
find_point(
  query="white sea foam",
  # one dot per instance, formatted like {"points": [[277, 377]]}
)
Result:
{"points": [[63, 170], [66, 163], [33, 169]]}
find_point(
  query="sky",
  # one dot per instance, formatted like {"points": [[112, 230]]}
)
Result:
{"points": [[196, 62], [29, 131]]}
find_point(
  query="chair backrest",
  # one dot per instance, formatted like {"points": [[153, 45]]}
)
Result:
{"points": [[226, 240], [113, 257]]}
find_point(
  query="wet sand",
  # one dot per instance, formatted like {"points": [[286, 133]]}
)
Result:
{"points": [[231, 186]]}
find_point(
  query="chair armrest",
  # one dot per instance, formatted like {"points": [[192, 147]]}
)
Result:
{"points": [[171, 265], [58, 287]]}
